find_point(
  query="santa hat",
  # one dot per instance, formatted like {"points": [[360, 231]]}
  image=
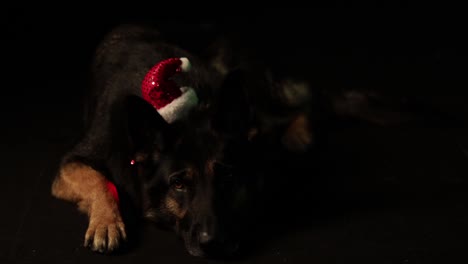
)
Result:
{"points": [[171, 101]]}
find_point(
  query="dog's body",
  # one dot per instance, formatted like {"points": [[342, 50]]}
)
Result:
{"points": [[195, 175], [203, 175]]}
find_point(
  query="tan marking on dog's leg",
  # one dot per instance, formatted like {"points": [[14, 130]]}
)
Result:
{"points": [[298, 135], [87, 187], [174, 207]]}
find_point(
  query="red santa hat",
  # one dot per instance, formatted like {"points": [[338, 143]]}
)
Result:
{"points": [[171, 101]]}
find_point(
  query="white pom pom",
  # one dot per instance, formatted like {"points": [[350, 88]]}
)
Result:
{"points": [[185, 66]]}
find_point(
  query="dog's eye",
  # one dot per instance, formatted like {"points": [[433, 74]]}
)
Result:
{"points": [[177, 183]]}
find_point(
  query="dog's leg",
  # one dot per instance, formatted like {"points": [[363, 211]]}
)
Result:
{"points": [[88, 188]]}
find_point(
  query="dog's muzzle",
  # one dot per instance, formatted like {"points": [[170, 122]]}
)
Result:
{"points": [[208, 240]]}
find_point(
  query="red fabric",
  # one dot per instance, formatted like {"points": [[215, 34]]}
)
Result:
{"points": [[113, 190], [157, 87]]}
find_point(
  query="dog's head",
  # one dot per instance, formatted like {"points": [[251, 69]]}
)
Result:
{"points": [[195, 188], [196, 171]]}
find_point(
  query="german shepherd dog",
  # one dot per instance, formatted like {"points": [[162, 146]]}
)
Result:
{"points": [[197, 175], [202, 175]]}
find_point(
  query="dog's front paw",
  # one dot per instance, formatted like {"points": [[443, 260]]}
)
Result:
{"points": [[105, 232]]}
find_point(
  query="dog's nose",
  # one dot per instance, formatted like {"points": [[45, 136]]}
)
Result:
{"points": [[206, 230], [205, 237], [214, 247]]}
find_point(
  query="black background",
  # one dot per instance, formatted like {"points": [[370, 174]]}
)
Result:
{"points": [[393, 195]]}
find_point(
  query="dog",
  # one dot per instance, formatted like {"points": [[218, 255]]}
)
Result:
{"points": [[197, 171], [204, 166]]}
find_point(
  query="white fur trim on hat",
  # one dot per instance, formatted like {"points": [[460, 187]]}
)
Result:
{"points": [[179, 106]]}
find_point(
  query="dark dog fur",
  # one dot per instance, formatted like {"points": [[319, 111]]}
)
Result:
{"points": [[204, 175], [198, 175]]}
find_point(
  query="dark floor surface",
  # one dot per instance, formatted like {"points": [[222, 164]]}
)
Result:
{"points": [[389, 195]]}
